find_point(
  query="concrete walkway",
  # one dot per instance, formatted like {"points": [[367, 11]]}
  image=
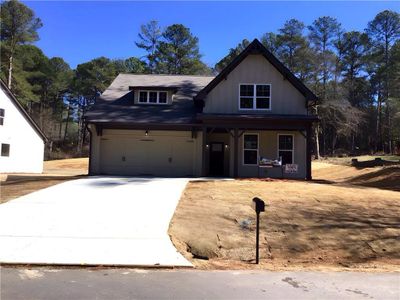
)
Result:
{"points": [[93, 221]]}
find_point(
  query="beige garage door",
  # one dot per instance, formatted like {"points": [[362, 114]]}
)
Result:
{"points": [[156, 156]]}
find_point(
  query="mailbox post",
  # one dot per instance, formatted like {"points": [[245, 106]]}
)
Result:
{"points": [[258, 206]]}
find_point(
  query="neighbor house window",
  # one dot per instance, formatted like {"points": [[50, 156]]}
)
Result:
{"points": [[255, 96], [250, 149], [1, 116], [285, 148], [5, 149], [153, 97]]}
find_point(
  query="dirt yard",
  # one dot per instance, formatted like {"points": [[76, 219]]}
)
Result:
{"points": [[345, 219], [56, 171]]}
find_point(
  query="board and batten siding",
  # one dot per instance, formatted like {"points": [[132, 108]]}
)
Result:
{"points": [[255, 69], [26, 145], [268, 148]]}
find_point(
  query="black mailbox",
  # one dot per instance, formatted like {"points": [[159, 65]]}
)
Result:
{"points": [[258, 205]]}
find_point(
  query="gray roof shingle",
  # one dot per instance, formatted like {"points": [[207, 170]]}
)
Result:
{"points": [[116, 103]]}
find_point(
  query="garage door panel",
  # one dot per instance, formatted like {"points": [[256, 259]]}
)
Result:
{"points": [[159, 156]]}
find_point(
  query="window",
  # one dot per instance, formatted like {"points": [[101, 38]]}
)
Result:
{"points": [[250, 149], [153, 97], [2, 116], [285, 148], [255, 96], [143, 97], [5, 149], [162, 97]]}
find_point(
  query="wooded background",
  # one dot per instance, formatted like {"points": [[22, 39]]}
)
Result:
{"points": [[356, 76]]}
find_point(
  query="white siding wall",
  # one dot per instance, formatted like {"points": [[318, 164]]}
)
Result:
{"points": [[26, 146]]}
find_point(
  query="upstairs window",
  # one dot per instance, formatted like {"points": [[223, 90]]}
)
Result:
{"points": [[153, 97], [255, 96], [285, 148], [2, 116]]}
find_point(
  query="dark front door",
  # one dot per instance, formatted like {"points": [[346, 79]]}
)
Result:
{"points": [[216, 159]]}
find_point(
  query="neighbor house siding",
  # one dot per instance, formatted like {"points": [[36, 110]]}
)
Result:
{"points": [[255, 69], [161, 153], [268, 148], [26, 145]]}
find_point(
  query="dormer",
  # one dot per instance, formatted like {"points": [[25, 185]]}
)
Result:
{"points": [[153, 95]]}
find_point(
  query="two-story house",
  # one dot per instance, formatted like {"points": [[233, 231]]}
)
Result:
{"points": [[252, 120]]}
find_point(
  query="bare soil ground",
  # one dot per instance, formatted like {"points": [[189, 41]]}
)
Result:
{"points": [[55, 171], [346, 218]]}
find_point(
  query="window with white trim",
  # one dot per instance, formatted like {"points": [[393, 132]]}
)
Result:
{"points": [[255, 96], [5, 149], [250, 149], [153, 97], [286, 148], [2, 111]]}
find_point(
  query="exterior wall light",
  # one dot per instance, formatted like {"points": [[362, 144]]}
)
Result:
{"points": [[146, 133], [207, 146], [226, 146]]}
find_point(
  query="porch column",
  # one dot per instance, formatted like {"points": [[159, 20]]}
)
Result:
{"points": [[308, 153], [204, 151], [235, 152]]}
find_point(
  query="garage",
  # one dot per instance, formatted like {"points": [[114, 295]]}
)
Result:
{"points": [[170, 154]]}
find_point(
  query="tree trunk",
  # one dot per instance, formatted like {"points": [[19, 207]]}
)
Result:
{"points": [[10, 69], [317, 154], [66, 124]]}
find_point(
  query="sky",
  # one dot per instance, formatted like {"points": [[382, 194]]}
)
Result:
{"points": [[80, 31]]}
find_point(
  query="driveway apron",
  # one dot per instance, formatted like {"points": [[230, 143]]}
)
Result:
{"points": [[93, 221]]}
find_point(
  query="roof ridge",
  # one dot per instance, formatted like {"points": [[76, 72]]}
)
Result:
{"points": [[161, 75]]}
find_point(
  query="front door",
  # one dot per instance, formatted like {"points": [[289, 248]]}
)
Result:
{"points": [[216, 159]]}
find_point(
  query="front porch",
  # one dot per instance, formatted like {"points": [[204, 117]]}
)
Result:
{"points": [[232, 146]]}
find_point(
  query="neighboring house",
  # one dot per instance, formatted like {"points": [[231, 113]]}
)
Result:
{"points": [[21, 140], [254, 111]]}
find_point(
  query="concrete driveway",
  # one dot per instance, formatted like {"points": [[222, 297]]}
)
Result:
{"points": [[93, 221]]}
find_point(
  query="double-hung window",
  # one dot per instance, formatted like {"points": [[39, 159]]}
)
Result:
{"points": [[2, 116], [153, 97], [250, 149], [285, 148], [255, 96]]}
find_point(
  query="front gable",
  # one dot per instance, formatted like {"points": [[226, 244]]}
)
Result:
{"points": [[256, 67]]}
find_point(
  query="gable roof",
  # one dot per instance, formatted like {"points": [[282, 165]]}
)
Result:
{"points": [[23, 112], [116, 104], [256, 47]]}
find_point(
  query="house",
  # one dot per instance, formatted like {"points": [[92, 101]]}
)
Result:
{"points": [[251, 120], [21, 140]]}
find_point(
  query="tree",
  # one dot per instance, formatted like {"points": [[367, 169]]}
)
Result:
{"points": [[18, 26], [233, 52], [324, 33], [90, 80], [130, 65], [383, 31], [270, 41], [178, 52], [149, 38]]}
